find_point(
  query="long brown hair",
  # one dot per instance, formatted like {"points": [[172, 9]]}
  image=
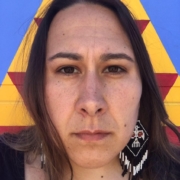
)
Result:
{"points": [[152, 112]]}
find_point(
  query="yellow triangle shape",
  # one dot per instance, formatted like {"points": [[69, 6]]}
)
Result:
{"points": [[8, 92], [12, 110], [14, 114]]}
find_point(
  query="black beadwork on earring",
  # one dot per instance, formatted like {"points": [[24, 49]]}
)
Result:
{"points": [[134, 155]]}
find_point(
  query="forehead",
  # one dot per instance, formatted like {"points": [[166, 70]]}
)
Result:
{"points": [[86, 15], [86, 23]]}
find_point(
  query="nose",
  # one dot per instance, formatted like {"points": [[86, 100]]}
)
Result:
{"points": [[91, 101]]}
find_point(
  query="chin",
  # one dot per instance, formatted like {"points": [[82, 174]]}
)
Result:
{"points": [[91, 161], [92, 164]]}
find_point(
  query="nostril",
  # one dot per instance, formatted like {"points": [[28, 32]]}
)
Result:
{"points": [[98, 111]]}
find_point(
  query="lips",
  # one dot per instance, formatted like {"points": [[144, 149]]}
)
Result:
{"points": [[92, 136]]}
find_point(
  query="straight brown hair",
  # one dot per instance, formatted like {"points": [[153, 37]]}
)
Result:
{"points": [[152, 111]]}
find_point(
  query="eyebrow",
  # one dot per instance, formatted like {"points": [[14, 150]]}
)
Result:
{"points": [[72, 56], [108, 56], [103, 57]]}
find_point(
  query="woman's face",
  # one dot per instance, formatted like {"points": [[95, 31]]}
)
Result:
{"points": [[92, 84]]}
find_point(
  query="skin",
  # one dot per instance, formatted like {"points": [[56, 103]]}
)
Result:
{"points": [[33, 170], [94, 93]]}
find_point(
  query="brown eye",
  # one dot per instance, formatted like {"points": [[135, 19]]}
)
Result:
{"points": [[68, 70], [114, 69]]}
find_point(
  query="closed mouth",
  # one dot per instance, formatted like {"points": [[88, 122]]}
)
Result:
{"points": [[92, 135]]}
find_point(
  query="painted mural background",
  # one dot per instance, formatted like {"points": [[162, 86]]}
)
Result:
{"points": [[158, 21]]}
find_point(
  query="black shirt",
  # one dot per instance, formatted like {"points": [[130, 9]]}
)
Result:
{"points": [[12, 166], [11, 163]]}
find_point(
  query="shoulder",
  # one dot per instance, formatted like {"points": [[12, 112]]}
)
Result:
{"points": [[12, 163]]}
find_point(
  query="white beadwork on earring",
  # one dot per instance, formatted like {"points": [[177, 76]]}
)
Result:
{"points": [[43, 157], [134, 155]]}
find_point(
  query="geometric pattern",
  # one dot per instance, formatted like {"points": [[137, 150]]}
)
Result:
{"points": [[165, 68], [17, 78], [14, 21], [38, 20], [138, 139], [165, 82], [142, 25], [168, 28]]}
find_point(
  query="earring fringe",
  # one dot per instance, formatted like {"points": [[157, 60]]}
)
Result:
{"points": [[43, 158]]}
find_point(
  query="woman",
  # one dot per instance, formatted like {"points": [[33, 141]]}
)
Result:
{"points": [[91, 92]]}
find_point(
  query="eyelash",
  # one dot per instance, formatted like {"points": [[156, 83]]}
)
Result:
{"points": [[66, 73], [118, 68]]}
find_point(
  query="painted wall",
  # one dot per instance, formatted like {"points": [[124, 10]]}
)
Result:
{"points": [[158, 22]]}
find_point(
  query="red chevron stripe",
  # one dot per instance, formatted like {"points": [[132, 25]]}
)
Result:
{"points": [[38, 21], [165, 82], [172, 136], [11, 129], [17, 78], [142, 24]]}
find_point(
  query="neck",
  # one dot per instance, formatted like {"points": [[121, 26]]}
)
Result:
{"points": [[112, 171]]}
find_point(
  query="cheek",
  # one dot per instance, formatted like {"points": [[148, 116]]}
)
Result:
{"points": [[59, 101], [124, 101], [124, 95]]}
